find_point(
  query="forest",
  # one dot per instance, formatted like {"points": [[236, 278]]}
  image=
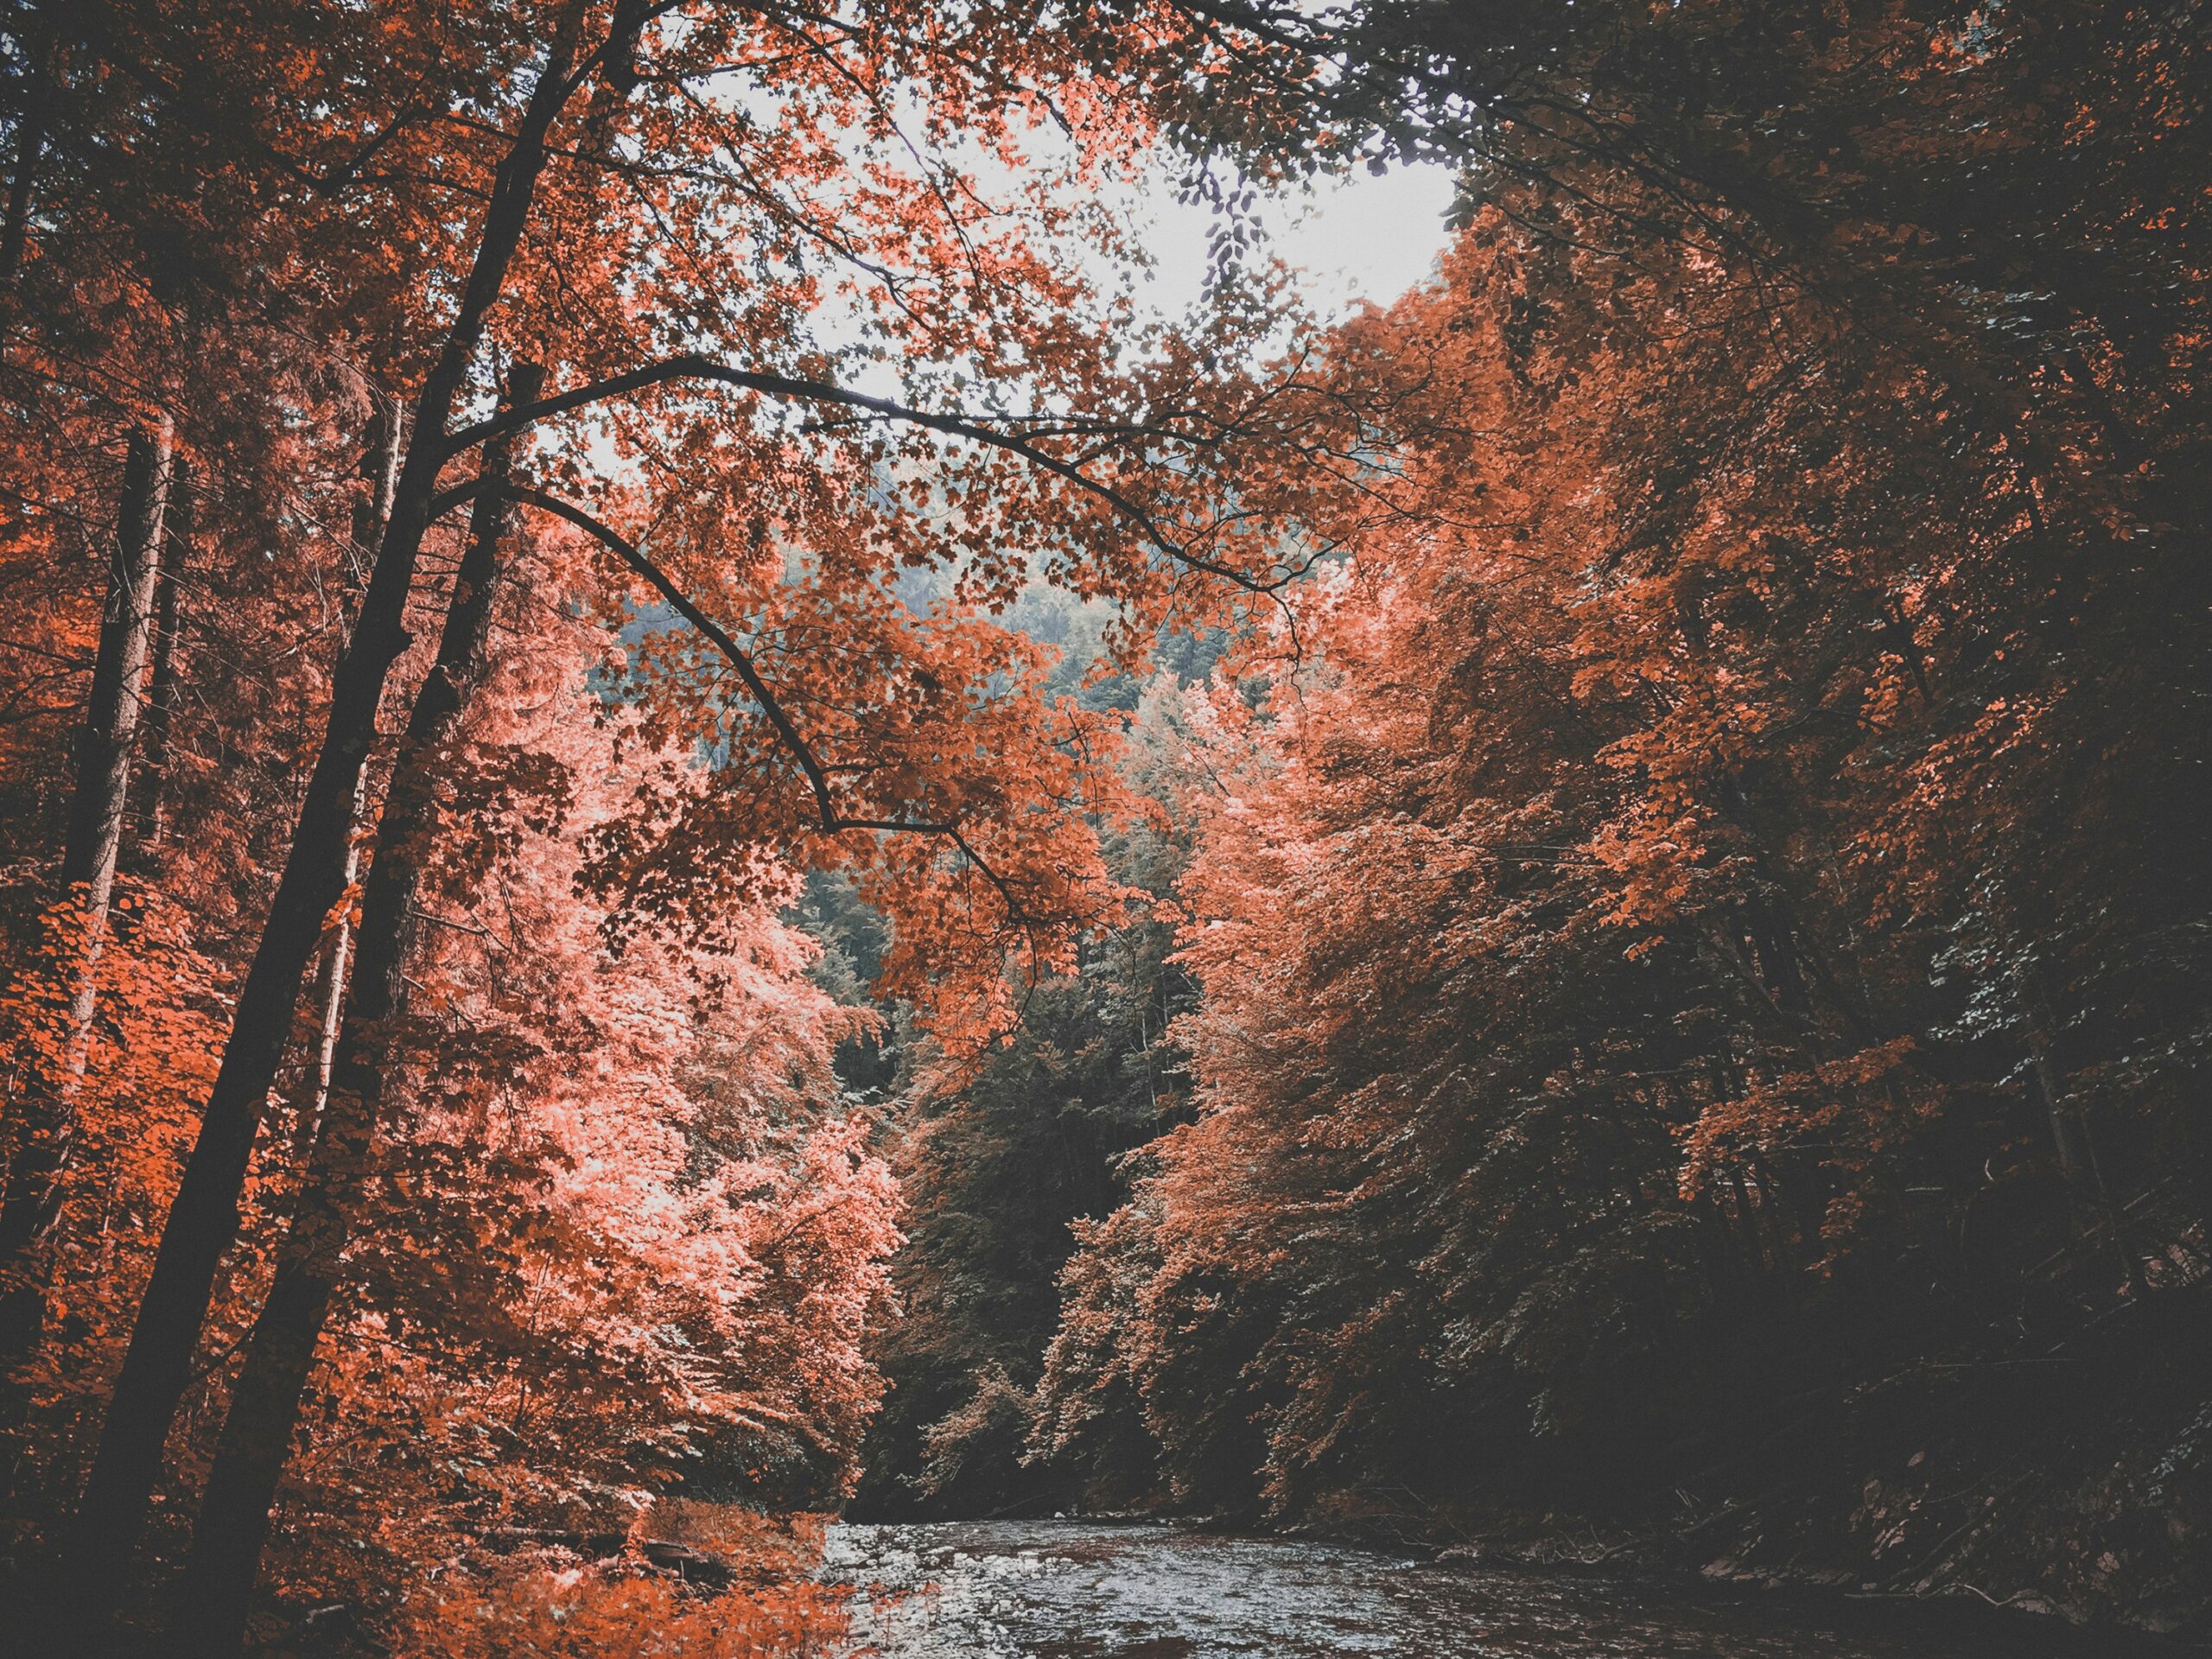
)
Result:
{"points": [[697, 833]]}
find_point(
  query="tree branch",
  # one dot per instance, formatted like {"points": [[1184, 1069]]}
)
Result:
{"points": [[833, 821], [984, 430]]}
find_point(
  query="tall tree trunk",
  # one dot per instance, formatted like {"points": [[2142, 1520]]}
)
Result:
{"points": [[203, 1220], [30, 150], [162, 682], [88, 855], [381, 466], [234, 1509], [97, 811]]}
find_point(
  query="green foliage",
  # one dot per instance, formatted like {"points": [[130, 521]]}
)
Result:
{"points": [[996, 1162]]}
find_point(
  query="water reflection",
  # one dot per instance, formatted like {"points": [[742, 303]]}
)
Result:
{"points": [[1084, 1590]]}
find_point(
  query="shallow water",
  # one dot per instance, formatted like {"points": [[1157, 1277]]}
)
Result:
{"points": [[1089, 1590]]}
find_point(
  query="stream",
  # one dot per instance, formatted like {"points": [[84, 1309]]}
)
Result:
{"points": [[1094, 1590]]}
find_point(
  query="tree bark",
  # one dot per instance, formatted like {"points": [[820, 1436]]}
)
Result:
{"points": [[30, 149], [160, 683], [88, 857], [203, 1220], [234, 1509], [381, 466], [97, 811]]}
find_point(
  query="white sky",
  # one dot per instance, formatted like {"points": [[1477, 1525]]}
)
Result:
{"points": [[1358, 237]]}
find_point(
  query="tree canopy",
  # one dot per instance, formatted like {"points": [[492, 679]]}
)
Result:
{"points": [[664, 763]]}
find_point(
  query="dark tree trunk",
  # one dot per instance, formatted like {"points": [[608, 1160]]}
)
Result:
{"points": [[88, 855], [210, 1608], [30, 149], [96, 813], [203, 1220]]}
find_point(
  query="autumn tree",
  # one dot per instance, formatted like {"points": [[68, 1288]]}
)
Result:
{"points": [[619, 1241], [579, 186], [1634, 947], [998, 1159]]}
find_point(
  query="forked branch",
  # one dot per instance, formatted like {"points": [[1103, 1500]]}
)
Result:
{"points": [[833, 820]]}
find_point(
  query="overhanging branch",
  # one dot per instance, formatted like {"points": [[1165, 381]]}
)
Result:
{"points": [[984, 429], [634, 558]]}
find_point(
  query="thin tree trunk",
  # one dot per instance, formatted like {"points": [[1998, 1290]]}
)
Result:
{"points": [[162, 682], [88, 856], [330, 992], [382, 467], [30, 145], [30, 149], [203, 1220], [97, 811], [234, 1509]]}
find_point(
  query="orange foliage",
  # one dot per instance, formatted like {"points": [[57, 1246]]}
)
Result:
{"points": [[1692, 866]]}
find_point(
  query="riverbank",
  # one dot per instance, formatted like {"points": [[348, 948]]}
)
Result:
{"points": [[2079, 1488], [2070, 1484]]}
